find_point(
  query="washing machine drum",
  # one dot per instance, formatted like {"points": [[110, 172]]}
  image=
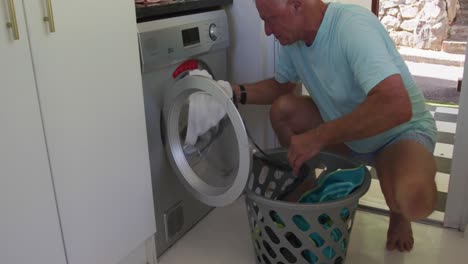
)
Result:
{"points": [[206, 141]]}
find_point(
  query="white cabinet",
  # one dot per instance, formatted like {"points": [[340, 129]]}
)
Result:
{"points": [[251, 59], [29, 223], [88, 111]]}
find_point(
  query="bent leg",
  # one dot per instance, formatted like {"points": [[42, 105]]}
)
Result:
{"points": [[292, 115], [406, 172]]}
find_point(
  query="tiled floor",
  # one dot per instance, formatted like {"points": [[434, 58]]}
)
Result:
{"points": [[223, 237], [446, 118]]}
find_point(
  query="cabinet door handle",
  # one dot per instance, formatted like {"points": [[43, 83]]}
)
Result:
{"points": [[50, 18], [13, 24]]}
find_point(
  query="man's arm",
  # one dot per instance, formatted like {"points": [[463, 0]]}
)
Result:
{"points": [[386, 106], [264, 92]]}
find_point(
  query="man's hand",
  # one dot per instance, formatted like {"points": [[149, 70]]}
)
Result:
{"points": [[303, 147]]}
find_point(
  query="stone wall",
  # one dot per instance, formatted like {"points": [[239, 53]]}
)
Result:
{"points": [[420, 24]]}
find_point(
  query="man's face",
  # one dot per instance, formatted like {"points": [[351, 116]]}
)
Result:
{"points": [[278, 20]]}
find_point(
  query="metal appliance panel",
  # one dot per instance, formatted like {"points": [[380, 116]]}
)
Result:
{"points": [[161, 41], [162, 52]]}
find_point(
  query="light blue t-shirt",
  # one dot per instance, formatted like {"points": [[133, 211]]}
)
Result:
{"points": [[350, 55]]}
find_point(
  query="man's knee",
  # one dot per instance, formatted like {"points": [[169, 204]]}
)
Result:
{"points": [[417, 201], [298, 112], [282, 108], [408, 170]]}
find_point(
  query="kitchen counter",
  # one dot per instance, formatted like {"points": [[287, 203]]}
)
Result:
{"points": [[177, 7], [223, 237]]}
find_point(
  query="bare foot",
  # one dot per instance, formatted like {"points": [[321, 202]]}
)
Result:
{"points": [[400, 234]]}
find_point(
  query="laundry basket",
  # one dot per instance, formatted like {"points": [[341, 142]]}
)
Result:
{"points": [[285, 232]]}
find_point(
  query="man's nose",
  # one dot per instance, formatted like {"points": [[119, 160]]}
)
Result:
{"points": [[268, 30]]}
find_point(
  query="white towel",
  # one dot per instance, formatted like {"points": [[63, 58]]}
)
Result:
{"points": [[204, 112]]}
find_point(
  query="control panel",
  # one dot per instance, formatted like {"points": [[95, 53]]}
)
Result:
{"points": [[166, 41]]}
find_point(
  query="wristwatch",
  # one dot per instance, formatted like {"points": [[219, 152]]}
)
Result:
{"points": [[243, 95]]}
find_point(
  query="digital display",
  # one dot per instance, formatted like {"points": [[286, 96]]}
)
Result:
{"points": [[190, 36]]}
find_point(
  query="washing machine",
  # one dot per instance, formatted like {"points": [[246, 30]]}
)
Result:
{"points": [[188, 184]]}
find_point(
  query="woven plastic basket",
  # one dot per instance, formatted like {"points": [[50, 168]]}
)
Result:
{"points": [[285, 232]]}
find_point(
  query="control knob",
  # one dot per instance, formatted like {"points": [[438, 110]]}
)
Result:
{"points": [[213, 32]]}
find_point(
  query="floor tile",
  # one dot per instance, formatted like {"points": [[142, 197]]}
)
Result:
{"points": [[447, 138], [448, 110], [441, 201], [442, 181], [443, 150], [446, 127], [444, 165], [445, 117]]}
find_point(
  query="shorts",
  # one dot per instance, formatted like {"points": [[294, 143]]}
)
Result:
{"points": [[414, 135]]}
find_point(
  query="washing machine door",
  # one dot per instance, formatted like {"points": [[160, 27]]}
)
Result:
{"points": [[213, 164]]}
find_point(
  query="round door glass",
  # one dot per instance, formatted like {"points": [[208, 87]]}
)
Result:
{"points": [[209, 146], [206, 141]]}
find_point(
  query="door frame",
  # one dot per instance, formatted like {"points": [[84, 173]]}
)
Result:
{"points": [[375, 7], [456, 210], [456, 213]]}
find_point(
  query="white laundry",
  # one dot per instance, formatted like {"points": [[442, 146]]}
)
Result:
{"points": [[204, 112]]}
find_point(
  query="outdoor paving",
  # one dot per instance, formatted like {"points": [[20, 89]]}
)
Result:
{"points": [[435, 73]]}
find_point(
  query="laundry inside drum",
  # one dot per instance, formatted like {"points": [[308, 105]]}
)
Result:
{"points": [[215, 155]]}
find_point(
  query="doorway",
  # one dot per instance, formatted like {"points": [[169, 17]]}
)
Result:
{"points": [[437, 69]]}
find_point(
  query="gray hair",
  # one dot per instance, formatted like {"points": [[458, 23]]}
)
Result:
{"points": [[279, 2], [282, 2]]}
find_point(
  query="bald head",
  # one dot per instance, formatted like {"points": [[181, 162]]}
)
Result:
{"points": [[291, 20], [271, 3], [280, 2]]}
